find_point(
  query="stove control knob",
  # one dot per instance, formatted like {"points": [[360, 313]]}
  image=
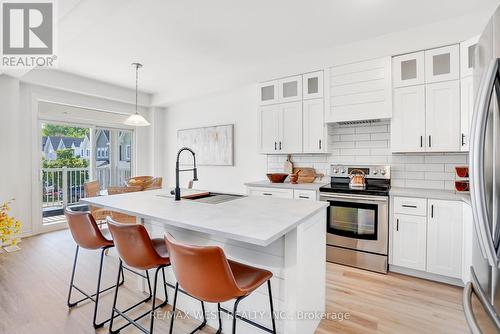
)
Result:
{"points": [[343, 170], [382, 171], [375, 172], [335, 171]]}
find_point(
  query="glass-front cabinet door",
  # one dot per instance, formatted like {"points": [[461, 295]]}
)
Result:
{"points": [[408, 69], [268, 92], [442, 64], [312, 85], [290, 89], [468, 56]]}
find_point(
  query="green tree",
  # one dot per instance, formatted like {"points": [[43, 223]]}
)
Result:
{"points": [[64, 131], [65, 158]]}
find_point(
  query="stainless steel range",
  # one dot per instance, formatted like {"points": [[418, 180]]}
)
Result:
{"points": [[358, 216]]}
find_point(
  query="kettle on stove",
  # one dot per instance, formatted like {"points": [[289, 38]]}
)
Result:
{"points": [[357, 177]]}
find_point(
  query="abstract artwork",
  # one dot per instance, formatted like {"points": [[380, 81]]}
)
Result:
{"points": [[213, 145]]}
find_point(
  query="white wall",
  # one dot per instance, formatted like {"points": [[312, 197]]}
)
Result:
{"points": [[238, 107]]}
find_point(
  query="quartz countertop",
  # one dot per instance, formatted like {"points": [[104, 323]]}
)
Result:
{"points": [[430, 193], [287, 185], [253, 219]]}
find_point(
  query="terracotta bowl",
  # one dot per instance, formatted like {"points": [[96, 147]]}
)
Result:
{"points": [[277, 177], [462, 185], [462, 171]]}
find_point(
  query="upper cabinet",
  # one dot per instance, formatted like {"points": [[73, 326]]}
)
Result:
{"points": [[290, 89], [468, 56], [427, 106], [292, 115], [442, 64], [360, 91], [408, 69], [312, 85], [268, 92]]}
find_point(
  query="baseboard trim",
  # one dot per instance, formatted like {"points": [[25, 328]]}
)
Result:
{"points": [[426, 275]]}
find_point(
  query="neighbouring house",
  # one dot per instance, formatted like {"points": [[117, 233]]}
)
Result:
{"points": [[51, 144]]}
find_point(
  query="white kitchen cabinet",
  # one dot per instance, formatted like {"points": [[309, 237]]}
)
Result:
{"points": [[269, 128], [466, 110], [444, 238], [314, 133], [408, 119], [409, 241], [408, 69], [310, 195], [270, 192], [442, 116], [442, 64], [312, 85], [268, 92], [290, 89], [468, 56], [281, 128], [290, 128]]}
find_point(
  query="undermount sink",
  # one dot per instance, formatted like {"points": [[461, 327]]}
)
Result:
{"points": [[212, 198]]}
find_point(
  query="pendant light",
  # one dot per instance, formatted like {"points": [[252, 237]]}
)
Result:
{"points": [[136, 119]]}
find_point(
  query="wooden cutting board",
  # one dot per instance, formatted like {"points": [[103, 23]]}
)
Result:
{"points": [[306, 174]]}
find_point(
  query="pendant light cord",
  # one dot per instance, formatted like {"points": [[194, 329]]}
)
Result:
{"points": [[136, 85]]}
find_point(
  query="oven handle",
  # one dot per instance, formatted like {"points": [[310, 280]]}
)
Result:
{"points": [[354, 197]]}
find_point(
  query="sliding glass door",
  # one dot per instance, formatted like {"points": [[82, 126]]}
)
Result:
{"points": [[113, 149]]}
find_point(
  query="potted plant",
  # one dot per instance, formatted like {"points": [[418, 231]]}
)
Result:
{"points": [[9, 228]]}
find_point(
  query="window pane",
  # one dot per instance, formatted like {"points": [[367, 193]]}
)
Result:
{"points": [[312, 85], [409, 69], [290, 89], [441, 64], [267, 93]]}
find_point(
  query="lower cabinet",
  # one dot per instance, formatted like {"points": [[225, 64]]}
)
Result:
{"points": [[444, 238], [310, 195], [430, 240], [409, 241]]}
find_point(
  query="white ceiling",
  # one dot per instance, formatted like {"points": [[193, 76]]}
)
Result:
{"points": [[183, 43]]}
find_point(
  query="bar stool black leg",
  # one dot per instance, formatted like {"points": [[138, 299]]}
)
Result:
{"points": [[151, 324], [219, 330], [164, 287], [73, 278], [235, 310], [173, 309], [114, 299], [96, 325], [271, 305]]}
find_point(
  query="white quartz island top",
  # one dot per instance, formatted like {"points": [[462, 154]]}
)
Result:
{"points": [[254, 220]]}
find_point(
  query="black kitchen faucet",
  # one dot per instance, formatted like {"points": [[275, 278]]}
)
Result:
{"points": [[177, 190]]}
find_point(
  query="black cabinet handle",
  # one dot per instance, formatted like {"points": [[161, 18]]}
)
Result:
{"points": [[280, 146], [275, 148], [267, 194], [302, 196], [320, 144], [432, 211], [430, 142], [463, 139], [409, 206], [397, 225], [421, 141]]}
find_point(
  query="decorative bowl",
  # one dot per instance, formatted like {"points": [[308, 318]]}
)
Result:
{"points": [[462, 171], [277, 177]]}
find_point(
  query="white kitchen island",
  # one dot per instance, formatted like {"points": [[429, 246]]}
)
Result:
{"points": [[284, 236]]}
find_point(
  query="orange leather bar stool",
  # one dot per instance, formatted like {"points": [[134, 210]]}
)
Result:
{"points": [[87, 235], [207, 275], [138, 251]]}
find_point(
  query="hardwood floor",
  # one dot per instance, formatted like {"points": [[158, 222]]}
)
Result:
{"points": [[34, 284]]}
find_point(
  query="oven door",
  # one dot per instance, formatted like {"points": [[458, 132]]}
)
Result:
{"points": [[357, 222]]}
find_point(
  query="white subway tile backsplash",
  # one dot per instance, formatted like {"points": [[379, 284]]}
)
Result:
{"points": [[370, 144]]}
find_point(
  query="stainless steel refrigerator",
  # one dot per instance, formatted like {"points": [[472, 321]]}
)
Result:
{"points": [[481, 299]]}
